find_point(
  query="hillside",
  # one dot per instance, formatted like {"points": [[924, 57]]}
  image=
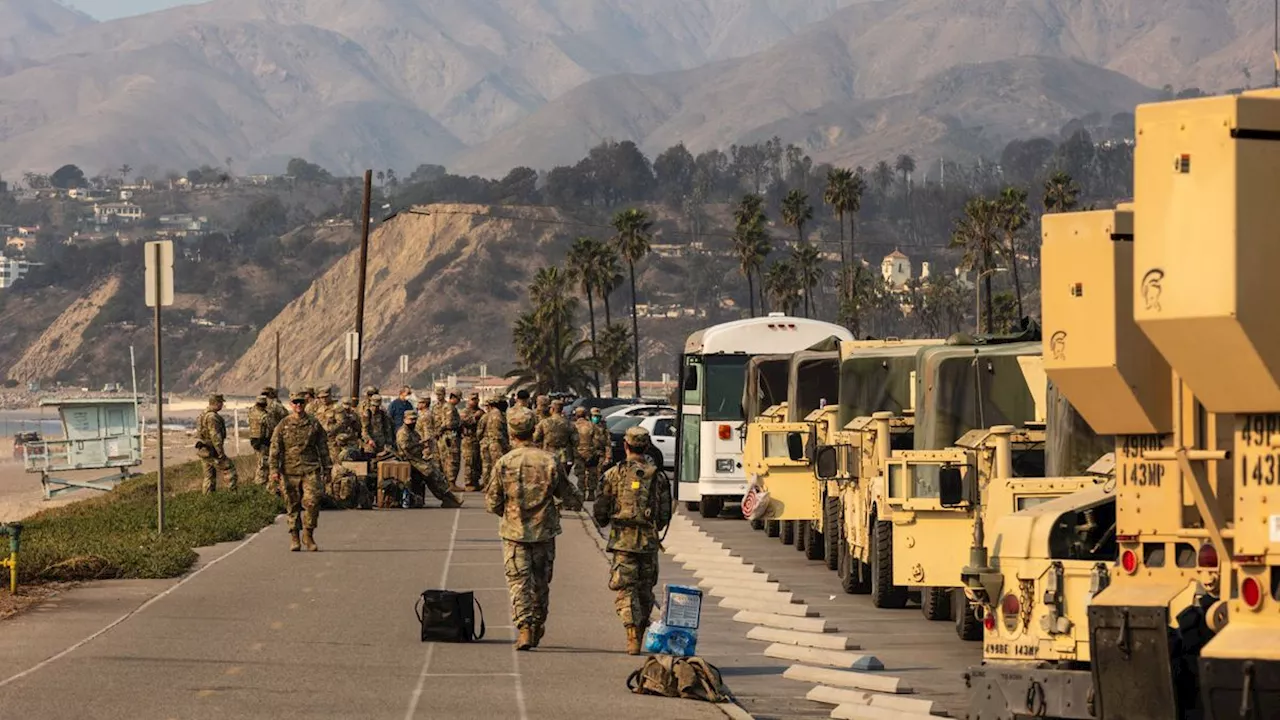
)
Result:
{"points": [[346, 83]]}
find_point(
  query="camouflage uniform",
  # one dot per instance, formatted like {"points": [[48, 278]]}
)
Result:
{"points": [[555, 435], [635, 502], [313, 401], [260, 427], [342, 426], [277, 413], [426, 471], [493, 439], [448, 427], [587, 454], [375, 425], [300, 456], [344, 490], [211, 433], [523, 491], [470, 419], [543, 407]]}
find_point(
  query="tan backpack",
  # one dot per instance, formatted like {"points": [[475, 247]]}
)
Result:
{"points": [[690, 678]]}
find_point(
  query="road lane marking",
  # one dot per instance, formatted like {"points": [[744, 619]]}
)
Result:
{"points": [[426, 662], [131, 613]]}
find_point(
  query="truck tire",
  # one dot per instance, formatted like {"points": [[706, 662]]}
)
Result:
{"points": [[884, 594], [772, 528], [968, 627], [831, 531], [788, 535], [815, 545], [710, 506], [935, 603], [802, 534], [691, 505], [846, 567], [757, 524]]}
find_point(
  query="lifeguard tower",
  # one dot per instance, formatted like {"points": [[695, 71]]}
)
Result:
{"points": [[98, 434]]}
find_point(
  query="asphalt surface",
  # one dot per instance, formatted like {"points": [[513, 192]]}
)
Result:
{"points": [[259, 632]]}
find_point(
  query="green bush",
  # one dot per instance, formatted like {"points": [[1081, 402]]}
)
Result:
{"points": [[114, 536]]}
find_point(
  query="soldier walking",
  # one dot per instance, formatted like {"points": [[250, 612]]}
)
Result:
{"points": [[299, 459], [635, 503], [412, 450], [211, 434], [470, 417], [522, 492], [492, 429], [586, 459], [555, 435]]}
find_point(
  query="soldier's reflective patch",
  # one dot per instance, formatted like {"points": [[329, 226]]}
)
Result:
{"points": [[635, 484]]}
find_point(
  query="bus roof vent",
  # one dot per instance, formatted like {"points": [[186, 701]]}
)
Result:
{"points": [[777, 314]]}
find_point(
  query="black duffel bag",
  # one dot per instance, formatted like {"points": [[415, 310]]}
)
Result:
{"points": [[449, 616]]}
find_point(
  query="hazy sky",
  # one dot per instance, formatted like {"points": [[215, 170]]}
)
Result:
{"points": [[108, 9]]}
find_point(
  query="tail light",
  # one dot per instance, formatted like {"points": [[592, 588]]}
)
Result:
{"points": [[1251, 593], [1011, 608], [1208, 557], [1129, 561], [726, 432], [989, 622]]}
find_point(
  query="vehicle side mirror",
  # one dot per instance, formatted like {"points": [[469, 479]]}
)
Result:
{"points": [[950, 487], [825, 465], [795, 446]]}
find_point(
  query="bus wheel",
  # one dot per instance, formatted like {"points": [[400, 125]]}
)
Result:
{"points": [[968, 627], [935, 603], [711, 506], [772, 528], [884, 594], [814, 545], [802, 534], [831, 532], [788, 532]]}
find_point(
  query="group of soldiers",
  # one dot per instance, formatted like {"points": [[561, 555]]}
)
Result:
{"points": [[521, 457]]}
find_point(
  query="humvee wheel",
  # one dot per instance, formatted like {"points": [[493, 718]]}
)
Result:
{"points": [[788, 532], [710, 506], [968, 627], [935, 603], [831, 531], [772, 528], [802, 534], [815, 545], [884, 594], [757, 524], [691, 505]]}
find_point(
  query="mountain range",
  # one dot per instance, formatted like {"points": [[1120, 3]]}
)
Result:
{"points": [[484, 85]]}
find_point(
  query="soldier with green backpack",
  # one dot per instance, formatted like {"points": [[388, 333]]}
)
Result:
{"points": [[635, 501]]}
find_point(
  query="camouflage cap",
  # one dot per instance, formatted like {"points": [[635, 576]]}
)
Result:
{"points": [[455, 394], [269, 391], [375, 398], [297, 397], [636, 437], [474, 396], [579, 412], [216, 398], [410, 414], [309, 390], [370, 390], [349, 401], [521, 422], [557, 404], [262, 400], [440, 391], [326, 393]]}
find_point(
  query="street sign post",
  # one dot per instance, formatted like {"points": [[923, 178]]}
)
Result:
{"points": [[404, 368], [353, 346], [159, 292]]}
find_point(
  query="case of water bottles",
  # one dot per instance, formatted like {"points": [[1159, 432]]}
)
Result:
{"points": [[677, 633]]}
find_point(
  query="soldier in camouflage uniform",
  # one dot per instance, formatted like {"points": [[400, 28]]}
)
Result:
{"points": [[470, 417], [211, 433], [523, 491], [278, 413], [260, 428], [342, 428], [492, 429], [587, 455], [300, 458], [448, 425], [604, 444], [544, 407], [375, 426], [522, 399], [555, 435], [635, 501], [426, 471], [313, 401]]}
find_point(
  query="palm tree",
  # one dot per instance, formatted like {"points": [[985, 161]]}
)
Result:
{"points": [[905, 165], [615, 354], [573, 373], [634, 228], [807, 265], [583, 257], [1061, 193], [750, 242], [553, 309], [608, 276], [837, 195], [882, 176], [796, 211], [782, 285], [1014, 217], [977, 233], [124, 171]]}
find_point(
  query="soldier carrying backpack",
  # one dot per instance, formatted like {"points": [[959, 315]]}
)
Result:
{"points": [[635, 501]]}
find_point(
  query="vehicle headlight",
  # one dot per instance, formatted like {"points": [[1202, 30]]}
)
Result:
{"points": [[724, 465]]}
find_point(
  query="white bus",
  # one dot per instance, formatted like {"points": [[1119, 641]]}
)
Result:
{"points": [[712, 376]]}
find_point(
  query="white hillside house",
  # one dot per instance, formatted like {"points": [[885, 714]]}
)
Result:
{"points": [[896, 269]]}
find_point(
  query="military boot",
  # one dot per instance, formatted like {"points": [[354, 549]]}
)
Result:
{"points": [[525, 639], [538, 632], [633, 640], [451, 501], [293, 541], [308, 540]]}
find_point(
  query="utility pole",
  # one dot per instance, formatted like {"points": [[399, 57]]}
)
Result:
{"points": [[364, 268], [159, 292], [1275, 48]]}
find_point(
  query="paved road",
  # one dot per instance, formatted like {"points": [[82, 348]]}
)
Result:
{"points": [[265, 633]]}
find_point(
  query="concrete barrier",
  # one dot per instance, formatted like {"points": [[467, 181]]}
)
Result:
{"points": [[766, 594], [826, 641], [742, 572], [871, 712], [849, 679], [786, 622], [746, 583], [840, 696], [829, 658], [708, 559], [778, 608]]}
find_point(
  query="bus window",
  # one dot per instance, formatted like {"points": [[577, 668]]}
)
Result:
{"points": [[725, 378], [692, 391]]}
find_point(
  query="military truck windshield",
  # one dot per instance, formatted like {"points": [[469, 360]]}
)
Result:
{"points": [[723, 379], [970, 392], [816, 380]]}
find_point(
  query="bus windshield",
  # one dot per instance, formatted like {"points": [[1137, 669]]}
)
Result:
{"points": [[724, 377]]}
